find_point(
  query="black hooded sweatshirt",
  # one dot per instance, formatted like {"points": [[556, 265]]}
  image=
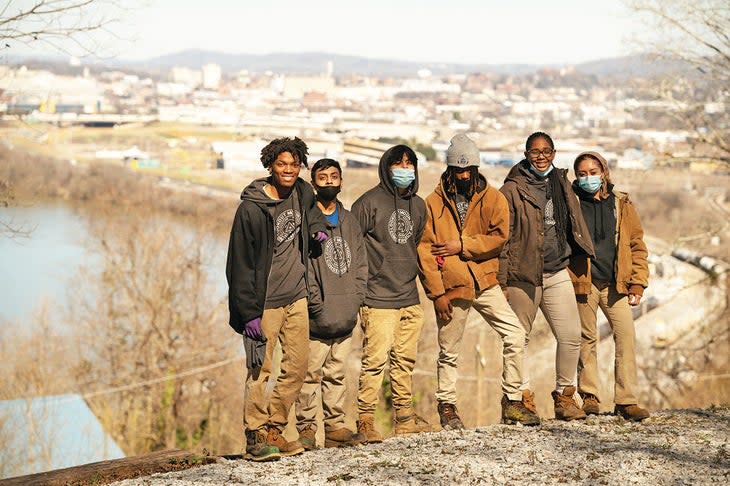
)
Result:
{"points": [[251, 248], [392, 224], [338, 278]]}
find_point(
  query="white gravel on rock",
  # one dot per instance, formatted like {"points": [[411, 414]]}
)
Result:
{"points": [[673, 447]]}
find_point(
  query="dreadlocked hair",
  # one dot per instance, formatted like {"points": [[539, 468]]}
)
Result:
{"points": [[449, 180], [295, 146]]}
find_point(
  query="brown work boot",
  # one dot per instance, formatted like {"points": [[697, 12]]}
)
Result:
{"points": [[410, 424], [308, 437], [590, 403], [631, 412], [565, 406], [528, 400], [257, 449], [342, 437], [515, 411], [285, 447], [449, 417], [366, 427]]}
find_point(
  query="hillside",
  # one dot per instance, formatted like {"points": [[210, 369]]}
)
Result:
{"points": [[673, 447]]}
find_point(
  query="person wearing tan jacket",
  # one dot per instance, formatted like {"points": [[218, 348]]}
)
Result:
{"points": [[615, 280], [467, 223]]}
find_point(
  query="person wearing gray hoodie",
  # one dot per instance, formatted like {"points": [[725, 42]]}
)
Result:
{"points": [[392, 219], [338, 278], [267, 272]]}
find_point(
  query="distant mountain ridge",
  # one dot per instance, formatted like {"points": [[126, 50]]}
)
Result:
{"points": [[309, 63], [316, 62]]}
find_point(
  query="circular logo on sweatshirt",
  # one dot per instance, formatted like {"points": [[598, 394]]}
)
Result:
{"points": [[400, 226], [287, 225], [337, 255]]}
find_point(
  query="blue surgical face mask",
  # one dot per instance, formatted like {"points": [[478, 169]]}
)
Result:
{"points": [[590, 183], [402, 178], [543, 173]]}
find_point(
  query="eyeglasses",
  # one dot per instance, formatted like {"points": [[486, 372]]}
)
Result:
{"points": [[535, 153]]}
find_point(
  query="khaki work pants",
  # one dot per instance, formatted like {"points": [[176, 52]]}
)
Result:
{"points": [[266, 406], [616, 308], [556, 299], [326, 374], [493, 307], [388, 333]]}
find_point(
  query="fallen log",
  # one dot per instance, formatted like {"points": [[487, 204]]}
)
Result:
{"points": [[105, 472]]}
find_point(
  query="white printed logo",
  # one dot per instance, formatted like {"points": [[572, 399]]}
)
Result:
{"points": [[337, 255], [462, 207], [549, 216], [287, 225], [400, 226]]}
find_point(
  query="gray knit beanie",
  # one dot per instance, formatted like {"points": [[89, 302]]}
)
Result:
{"points": [[462, 152]]}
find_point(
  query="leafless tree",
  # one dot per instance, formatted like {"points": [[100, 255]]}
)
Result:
{"points": [[68, 26], [158, 361], [697, 34]]}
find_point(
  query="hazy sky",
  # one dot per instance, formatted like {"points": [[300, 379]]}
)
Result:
{"points": [[469, 31]]}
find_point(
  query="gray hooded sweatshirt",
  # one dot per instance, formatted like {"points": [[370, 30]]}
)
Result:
{"points": [[392, 225], [338, 278]]}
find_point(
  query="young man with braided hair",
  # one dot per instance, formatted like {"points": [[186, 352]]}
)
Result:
{"points": [[268, 291], [467, 223]]}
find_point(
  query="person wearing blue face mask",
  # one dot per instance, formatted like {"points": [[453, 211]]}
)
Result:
{"points": [[546, 230], [392, 219], [614, 280]]}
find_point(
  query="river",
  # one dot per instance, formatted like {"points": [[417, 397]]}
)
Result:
{"points": [[41, 266]]}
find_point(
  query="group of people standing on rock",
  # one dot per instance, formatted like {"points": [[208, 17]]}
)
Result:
{"points": [[303, 271]]}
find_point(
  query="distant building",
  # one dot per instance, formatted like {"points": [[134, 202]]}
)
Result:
{"points": [[212, 76]]}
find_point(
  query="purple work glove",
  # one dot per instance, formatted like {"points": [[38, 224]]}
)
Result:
{"points": [[252, 329], [321, 236]]}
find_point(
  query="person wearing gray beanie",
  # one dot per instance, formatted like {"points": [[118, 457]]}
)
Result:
{"points": [[467, 224], [462, 152]]}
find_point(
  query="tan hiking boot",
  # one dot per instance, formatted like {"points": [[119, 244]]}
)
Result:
{"points": [[257, 449], [515, 411], [590, 403], [308, 437], [565, 406], [449, 417], [410, 424], [285, 447], [366, 427], [342, 437], [528, 400], [631, 412]]}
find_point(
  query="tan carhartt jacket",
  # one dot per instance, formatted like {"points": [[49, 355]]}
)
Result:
{"points": [[483, 234]]}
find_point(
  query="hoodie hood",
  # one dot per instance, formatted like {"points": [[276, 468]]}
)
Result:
{"points": [[604, 168], [390, 155], [254, 192]]}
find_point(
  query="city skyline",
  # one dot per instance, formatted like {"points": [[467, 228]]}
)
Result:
{"points": [[462, 31]]}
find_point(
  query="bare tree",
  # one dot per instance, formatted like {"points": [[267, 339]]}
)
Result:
{"points": [[158, 363], [69, 26], [697, 34]]}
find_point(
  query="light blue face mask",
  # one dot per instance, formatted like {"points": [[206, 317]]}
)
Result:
{"points": [[543, 173], [402, 178], [590, 183]]}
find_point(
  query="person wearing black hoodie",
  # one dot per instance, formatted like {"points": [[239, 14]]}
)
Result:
{"points": [[338, 276], [267, 272], [614, 281], [392, 219]]}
